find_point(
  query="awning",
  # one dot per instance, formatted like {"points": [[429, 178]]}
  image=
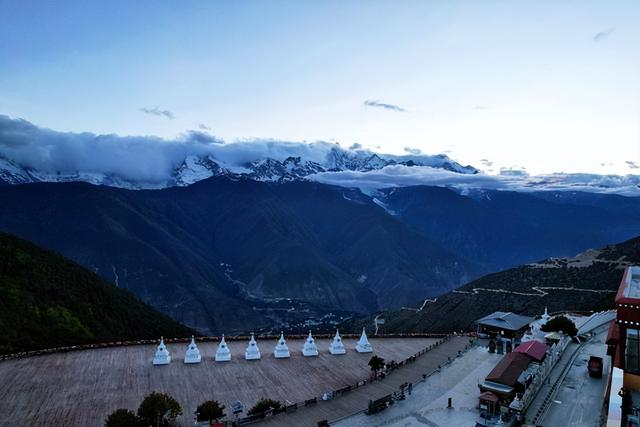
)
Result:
{"points": [[489, 397]]}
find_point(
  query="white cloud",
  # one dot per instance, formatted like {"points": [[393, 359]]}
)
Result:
{"points": [[399, 175]]}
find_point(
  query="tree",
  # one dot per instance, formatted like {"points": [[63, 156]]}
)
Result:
{"points": [[210, 411], [376, 363], [159, 409], [122, 418], [561, 323], [264, 405]]}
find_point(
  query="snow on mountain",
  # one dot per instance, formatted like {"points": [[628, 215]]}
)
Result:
{"points": [[29, 153], [194, 169]]}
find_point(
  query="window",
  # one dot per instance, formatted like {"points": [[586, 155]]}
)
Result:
{"points": [[632, 352]]}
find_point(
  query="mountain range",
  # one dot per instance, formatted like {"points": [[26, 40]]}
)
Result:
{"points": [[585, 282], [230, 253]]}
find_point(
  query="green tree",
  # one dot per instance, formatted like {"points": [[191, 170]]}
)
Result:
{"points": [[264, 405], [211, 410], [561, 323], [122, 418], [159, 409], [376, 363]]}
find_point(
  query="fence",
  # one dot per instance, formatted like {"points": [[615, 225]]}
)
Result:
{"points": [[347, 388], [125, 343]]}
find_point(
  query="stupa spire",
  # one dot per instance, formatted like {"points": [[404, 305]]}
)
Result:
{"points": [[162, 356], [252, 352], [193, 354], [309, 348], [337, 347], [363, 345], [223, 354], [281, 351]]}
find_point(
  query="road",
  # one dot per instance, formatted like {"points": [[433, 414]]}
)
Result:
{"points": [[579, 398]]}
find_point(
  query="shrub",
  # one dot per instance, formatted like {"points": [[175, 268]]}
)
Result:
{"points": [[561, 323], [159, 409], [264, 405], [376, 363], [211, 410], [122, 418]]}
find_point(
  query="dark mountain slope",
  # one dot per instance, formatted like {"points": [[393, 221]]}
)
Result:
{"points": [[502, 229], [213, 254], [48, 301], [556, 283]]}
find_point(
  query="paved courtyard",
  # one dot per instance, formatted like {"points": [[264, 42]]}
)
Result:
{"points": [[427, 405], [80, 388]]}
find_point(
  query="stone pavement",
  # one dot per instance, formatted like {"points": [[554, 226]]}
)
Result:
{"points": [[358, 399]]}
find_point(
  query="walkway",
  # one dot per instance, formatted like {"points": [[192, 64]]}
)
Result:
{"points": [[358, 399]]}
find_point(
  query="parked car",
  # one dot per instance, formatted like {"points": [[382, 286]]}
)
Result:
{"points": [[595, 366]]}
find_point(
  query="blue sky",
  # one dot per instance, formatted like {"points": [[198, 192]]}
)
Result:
{"points": [[548, 86]]}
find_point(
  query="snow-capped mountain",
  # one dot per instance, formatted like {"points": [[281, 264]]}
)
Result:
{"points": [[29, 153], [195, 168]]}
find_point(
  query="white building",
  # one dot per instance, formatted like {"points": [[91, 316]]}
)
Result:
{"points": [[252, 352], [309, 348], [193, 354], [337, 347], [281, 351], [363, 345], [162, 356], [223, 354]]}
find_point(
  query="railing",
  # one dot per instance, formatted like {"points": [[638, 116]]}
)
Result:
{"points": [[347, 388], [125, 343], [554, 355]]}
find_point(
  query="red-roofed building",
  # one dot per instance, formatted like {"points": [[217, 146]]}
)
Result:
{"points": [[534, 349], [623, 345]]}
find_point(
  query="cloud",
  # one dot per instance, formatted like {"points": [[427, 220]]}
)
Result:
{"points": [[400, 175], [632, 165], [486, 162], [203, 127], [415, 151], [355, 146], [202, 138], [155, 111], [377, 104], [480, 108], [603, 34]]}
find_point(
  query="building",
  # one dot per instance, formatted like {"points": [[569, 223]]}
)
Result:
{"points": [[623, 345], [504, 325]]}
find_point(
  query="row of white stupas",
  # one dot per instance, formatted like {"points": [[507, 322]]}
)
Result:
{"points": [[281, 351]]}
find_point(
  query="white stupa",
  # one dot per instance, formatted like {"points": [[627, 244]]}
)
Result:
{"points": [[193, 354], [252, 352], [223, 354], [545, 317], [162, 357], [309, 348], [363, 345], [337, 347], [281, 351]]}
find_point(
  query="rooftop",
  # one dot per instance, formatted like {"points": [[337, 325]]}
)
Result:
{"points": [[505, 320], [534, 349], [629, 290], [508, 370]]}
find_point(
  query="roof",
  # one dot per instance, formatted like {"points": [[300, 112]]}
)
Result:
{"points": [[629, 290], [534, 349], [509, 321], [509, 369]]}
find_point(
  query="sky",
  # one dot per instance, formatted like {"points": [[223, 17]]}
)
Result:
{"points": [[546, 86]]}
